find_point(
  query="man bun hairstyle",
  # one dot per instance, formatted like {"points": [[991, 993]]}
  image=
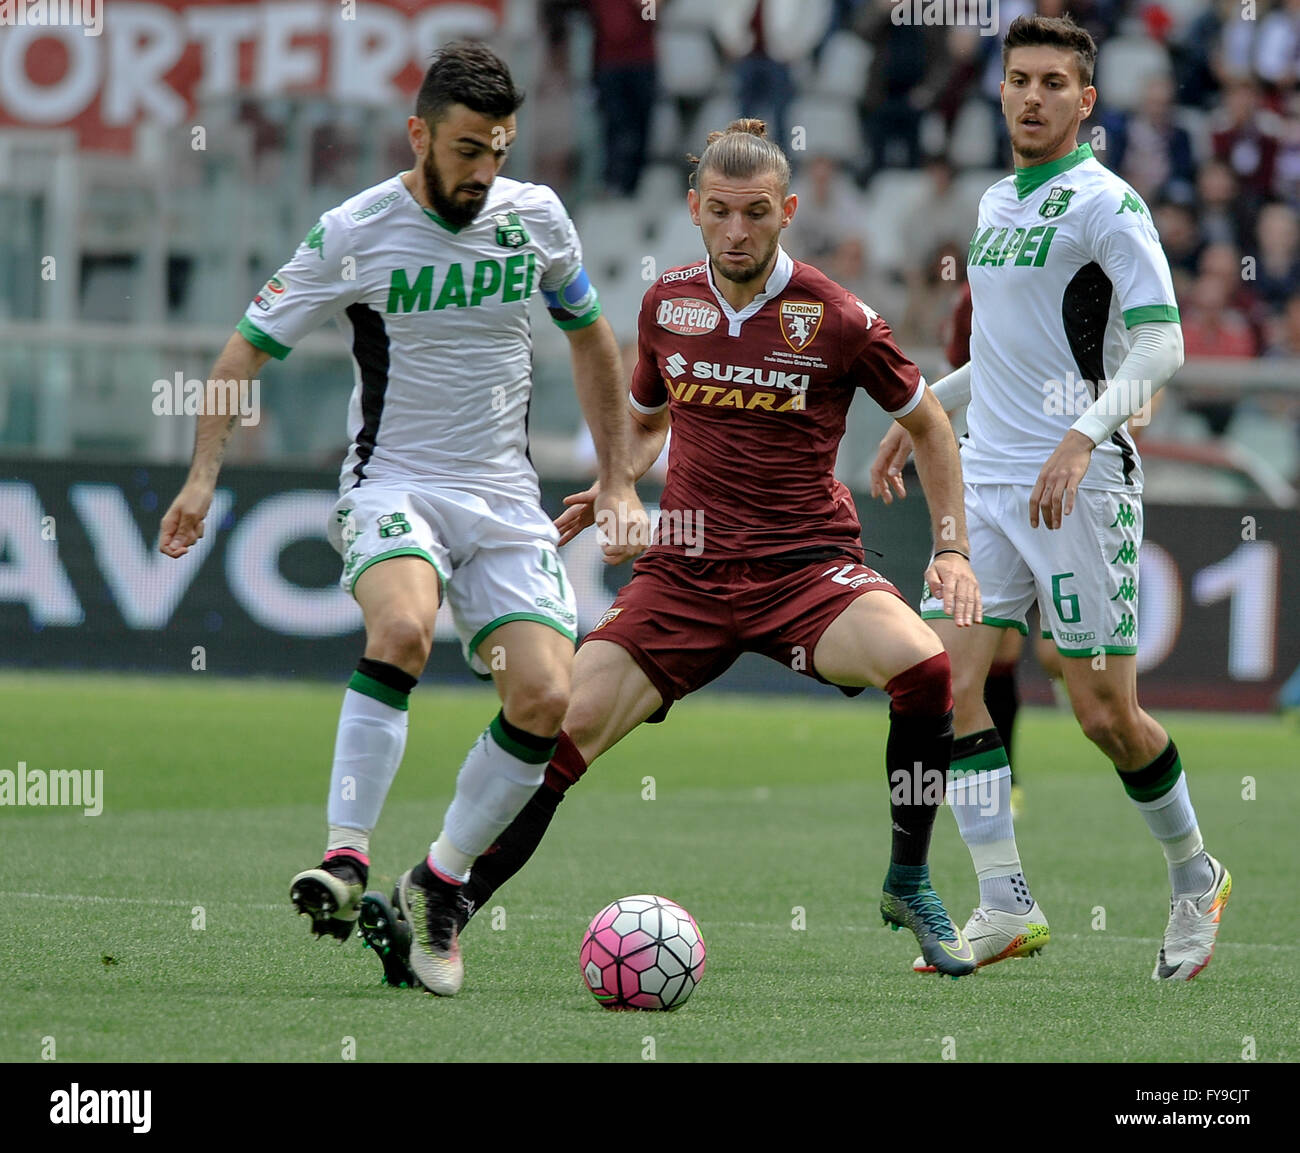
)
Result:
{"points": [[467, 72], [1055, 32], [740, 151]]}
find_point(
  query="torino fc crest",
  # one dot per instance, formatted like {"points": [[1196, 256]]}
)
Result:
{"points": [[800, 320]]}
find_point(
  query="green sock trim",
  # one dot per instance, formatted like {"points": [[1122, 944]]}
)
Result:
{"points": [[979, 762], [369, 687], [515, 749], [1155, 780], [1159, 789]]}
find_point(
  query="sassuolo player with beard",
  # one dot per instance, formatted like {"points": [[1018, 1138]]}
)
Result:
{"points": [[429, 274]]}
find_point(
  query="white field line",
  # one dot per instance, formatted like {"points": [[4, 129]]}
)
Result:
{"points": [[763, 926]]}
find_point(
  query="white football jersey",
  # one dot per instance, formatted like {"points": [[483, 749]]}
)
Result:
{"points": [[437, 318], [1064, 260]]}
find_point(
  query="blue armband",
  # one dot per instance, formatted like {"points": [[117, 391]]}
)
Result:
{"points": [[576, 305]]}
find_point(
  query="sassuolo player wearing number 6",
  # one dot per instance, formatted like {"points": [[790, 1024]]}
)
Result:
{"points": [[1071, 291]]}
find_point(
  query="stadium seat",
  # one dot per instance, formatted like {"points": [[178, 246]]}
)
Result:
{"points": [[714, 115], [677, 239], [688, 63], [973, 142], [889, 198], [841, 71], [614, 235], [831, 126], [665, 143], [1126, 65]]}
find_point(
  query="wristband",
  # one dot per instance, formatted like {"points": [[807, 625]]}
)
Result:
{"points": [[958, 551]]}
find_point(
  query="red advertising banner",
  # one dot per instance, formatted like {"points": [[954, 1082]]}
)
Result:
{"points": [[102, 67]]}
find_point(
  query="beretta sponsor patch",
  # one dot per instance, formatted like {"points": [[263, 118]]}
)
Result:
{"points": [[688, 316]]}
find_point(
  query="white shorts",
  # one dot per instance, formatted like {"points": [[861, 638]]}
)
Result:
{"points": [[496, 562], [1084, 575]]}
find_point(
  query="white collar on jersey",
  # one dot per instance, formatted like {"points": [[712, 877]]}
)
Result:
{"points": [[777, 279]]}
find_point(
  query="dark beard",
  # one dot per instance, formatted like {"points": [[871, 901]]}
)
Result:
{"points": [[457, 215], [737, 277]]}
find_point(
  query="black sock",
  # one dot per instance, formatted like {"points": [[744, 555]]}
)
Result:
{"points": [[1003, 702], [915, 795], [513, 848]]}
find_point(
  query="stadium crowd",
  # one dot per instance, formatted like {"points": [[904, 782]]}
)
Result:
{"points": [[1199, 109], [895, 131]]}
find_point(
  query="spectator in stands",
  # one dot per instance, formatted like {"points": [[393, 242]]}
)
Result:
{"points": [[1224, 262], [1212, 327], [1243, 135], [938, 214], [1277, 54], [1180, 235], [965, 62], [1286, 180], [1278, 269], [623, 69], [766, 38], [932, 294], [1224, 217], [1197, 55], [1285, 330], [1149, 150], [909, 67], [825, 232]]}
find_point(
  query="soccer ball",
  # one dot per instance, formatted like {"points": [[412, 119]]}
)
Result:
{"points": [[642, 953]]}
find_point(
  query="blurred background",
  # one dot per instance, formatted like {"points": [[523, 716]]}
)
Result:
{"points": [[153, 177]]}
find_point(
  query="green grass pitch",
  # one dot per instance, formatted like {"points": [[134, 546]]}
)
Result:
{"points": [[765, 812]]}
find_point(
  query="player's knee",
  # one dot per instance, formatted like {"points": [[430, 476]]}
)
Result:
{"points": [[538, 709], [922, 689], [1103, 724], [400, 640]]}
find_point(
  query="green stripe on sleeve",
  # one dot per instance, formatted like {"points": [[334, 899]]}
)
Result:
{"points": [[259, 339], [1151, 312], [580, 321]]}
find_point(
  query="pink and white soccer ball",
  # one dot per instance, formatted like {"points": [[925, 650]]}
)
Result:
{"points": [[642, 952]]}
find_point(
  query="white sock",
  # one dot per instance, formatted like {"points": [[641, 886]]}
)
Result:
{"points": [[1172, 822], [981, 802], [494, 783], [367, 752]]}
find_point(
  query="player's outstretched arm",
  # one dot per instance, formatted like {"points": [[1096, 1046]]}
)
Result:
{"points": [[952, 391], [649, 431], [182, 526], [939, 467], [598, 380]]}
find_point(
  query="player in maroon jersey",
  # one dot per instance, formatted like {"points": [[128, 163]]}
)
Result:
{"points": [[757, 358]]}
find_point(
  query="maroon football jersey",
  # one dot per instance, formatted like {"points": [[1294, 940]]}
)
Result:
{"points": [[758, 401]]}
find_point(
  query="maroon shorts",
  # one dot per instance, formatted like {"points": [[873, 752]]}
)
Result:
{"points": [[685, 620]]}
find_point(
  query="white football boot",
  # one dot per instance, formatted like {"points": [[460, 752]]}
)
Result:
{"points": [[995, 935], [1192, 929]]}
